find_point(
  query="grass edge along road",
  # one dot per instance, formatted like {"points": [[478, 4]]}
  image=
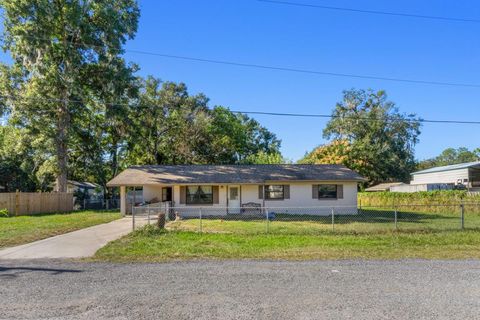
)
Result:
{"points": [[24, 229], [153, 245]]}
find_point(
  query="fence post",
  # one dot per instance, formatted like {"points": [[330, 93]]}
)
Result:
{"points": [[200, 216], [148, 214], [84, 204], [267, 226], [333, 219], [107, 204], [462, 216], [396, 218], [17, 203]]}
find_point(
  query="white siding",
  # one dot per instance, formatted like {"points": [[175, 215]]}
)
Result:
{"points": [[409, 188], [152, 192], [300, 197], [451, 176]]}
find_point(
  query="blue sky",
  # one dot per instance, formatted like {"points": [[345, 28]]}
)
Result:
{"points": [[248, 31]]}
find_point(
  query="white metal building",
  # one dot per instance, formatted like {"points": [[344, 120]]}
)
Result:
{"points": [[445, 177]]}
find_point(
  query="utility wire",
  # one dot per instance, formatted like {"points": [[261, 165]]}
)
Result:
{"points": [[398, 14], [307, 71], [289, 69], [305, 115], [332, 116]]}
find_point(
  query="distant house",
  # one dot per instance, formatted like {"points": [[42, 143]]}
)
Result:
{"points": [[382, 187], [463, 175], [230, 188], [89, 190]]}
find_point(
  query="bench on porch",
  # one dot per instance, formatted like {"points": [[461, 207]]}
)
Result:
{"points": [[251, 208]]}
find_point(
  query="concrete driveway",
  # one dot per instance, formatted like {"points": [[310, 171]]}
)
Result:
{"points": [[77, 244]]}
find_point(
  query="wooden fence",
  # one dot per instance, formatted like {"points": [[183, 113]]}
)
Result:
{"points": [[24, 203]]}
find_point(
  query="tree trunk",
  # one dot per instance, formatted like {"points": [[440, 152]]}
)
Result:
{"points": [[114, 156], [62, 143]]}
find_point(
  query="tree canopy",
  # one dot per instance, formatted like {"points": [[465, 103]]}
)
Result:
{"points": [[370, 135], [170, 126], [451, 156], [65, 55]]}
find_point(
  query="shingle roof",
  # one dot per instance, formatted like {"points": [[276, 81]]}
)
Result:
{"points": [[193, 174], [383, 186], [450, 167], [88, 185]]}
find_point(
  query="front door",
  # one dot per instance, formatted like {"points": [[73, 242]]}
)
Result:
{"points": [[233, 199], [166, 194]]}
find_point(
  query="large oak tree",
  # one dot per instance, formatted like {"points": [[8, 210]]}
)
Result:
{"points": [[62, 51]]}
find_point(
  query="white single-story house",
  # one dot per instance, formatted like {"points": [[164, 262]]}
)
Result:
{"points": [[465, 175], [231, 188]]}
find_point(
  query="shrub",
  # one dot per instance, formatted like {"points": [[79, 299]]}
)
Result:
{"points": [[427, 201], [149, 230], [4, 213]]}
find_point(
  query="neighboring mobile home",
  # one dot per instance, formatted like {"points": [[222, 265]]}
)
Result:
{"points": [[230, 188]]}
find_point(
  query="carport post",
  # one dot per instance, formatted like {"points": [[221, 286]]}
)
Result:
{"points": [[133, 217]]}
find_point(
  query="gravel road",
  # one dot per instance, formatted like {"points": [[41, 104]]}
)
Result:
{"points": [[410, 289]]}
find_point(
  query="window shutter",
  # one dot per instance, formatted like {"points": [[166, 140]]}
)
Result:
{"points": [[339, 191], [183, 194], [315, 191], [260, 192], [215, 194], [286, 191]]}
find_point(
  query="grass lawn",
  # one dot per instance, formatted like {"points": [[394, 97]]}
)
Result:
{"points": [[150, 244], [24, 229], [367, 221]]}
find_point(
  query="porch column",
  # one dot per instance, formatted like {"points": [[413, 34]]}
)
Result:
{"points": [[123, 200]]}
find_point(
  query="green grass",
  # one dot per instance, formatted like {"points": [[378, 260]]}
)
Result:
{"points": [[366, 222], [368, 235], [153, 245], [24, 229]]}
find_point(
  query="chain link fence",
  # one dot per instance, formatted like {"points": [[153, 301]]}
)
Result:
{"points": [[97, 204], [314, 220]]}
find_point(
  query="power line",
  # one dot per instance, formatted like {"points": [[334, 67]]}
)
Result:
{"points": [[307, 71], [398, 14], [289, 69], [305, 115]]}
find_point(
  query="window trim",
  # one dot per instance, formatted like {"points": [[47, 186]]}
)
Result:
{"points": [[267, 192], [187, 198], [325, 198]]}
